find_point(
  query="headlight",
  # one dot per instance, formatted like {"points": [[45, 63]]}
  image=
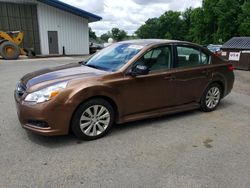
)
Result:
{"points": [[46, 93]]}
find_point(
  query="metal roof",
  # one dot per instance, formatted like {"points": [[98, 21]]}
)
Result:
{"points": [[71, 9], [241, 43]]}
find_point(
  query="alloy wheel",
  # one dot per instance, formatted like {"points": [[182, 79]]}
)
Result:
{"points": [[94, 120], [213, 97]]}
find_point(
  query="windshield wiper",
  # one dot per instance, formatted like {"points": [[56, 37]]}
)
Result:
{"points": [[92, 66], [96, 67], [82, 62]]}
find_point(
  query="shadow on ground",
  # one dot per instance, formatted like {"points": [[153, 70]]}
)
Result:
{"points": [[68, 140]]}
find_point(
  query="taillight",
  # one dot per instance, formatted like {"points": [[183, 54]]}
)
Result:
{"points": [[230, 67]]}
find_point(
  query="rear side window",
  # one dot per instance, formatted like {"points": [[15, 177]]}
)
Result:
{"points": [[188, 57]]}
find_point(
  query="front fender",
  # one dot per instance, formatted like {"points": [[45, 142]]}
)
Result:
{"points": [[92, 91], [76, 97]]}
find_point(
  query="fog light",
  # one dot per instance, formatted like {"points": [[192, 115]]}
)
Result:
{"points": [[38, 123]]}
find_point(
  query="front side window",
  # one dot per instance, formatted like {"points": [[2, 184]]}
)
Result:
{"points": [[188, 57], [157, 59]]}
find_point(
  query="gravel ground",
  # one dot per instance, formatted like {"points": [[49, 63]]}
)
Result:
{"points": [[191, 149]]}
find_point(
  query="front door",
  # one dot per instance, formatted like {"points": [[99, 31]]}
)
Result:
{"points": [[150, 92], [53, 42]]}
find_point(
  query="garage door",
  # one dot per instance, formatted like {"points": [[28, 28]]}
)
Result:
{"points": [[21, 17]]}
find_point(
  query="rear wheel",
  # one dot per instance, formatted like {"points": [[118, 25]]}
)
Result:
{"points": [[9, 50], [211, 97], [93, 119]]}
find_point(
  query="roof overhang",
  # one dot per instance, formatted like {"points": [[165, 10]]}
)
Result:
{"points": [[71, 9]]}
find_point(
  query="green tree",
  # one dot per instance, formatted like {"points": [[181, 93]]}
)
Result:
{"points": [[149, 29], [186, 16], [197, 26], [118, 34], [210, 19], [171, 25], [227, 12], [92, 34], [242, 2], [167, 26], [115, 33], [244, 20], [215, 22], [104, 37]]}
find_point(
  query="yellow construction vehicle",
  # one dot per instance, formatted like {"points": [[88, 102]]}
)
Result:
{"points": [[9, 45]]}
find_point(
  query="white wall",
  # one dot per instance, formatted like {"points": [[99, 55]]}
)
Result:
{"points": [[72, 30]]}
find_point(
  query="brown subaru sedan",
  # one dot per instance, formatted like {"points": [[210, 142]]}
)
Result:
{"points": [[124, 82]]}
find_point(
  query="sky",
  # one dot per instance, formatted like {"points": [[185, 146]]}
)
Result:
{"points": [[128, 15]]}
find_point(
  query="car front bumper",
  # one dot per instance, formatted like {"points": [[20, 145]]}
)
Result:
{"points": [[54, 117]]}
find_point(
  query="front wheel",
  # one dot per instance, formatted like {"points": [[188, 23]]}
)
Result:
{"points": [[211, 98], [93, 119]]}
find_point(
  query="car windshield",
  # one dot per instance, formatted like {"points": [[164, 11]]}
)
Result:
{"points": [[113, 57]]}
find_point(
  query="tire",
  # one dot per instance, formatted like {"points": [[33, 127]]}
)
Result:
{"points": [[211, 97], [9, 50], [93, 119]]}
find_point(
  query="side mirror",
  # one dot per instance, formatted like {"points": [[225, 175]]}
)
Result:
{"points": [[139, 70]]}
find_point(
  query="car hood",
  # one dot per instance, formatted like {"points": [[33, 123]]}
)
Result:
{"points": [[61, 73]]}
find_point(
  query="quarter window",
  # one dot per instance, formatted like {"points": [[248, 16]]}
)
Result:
{"points": [[188, 56]]}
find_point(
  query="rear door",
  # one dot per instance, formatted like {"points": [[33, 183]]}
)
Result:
{"points": [[192, 73]]}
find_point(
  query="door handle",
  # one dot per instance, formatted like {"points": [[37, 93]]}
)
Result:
{"points": [[205, 71]]}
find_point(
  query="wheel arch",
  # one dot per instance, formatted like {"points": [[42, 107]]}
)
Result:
{"points": [[219, 79], [91, 91], [203, 105], [221, 84], [75, 128], [109, 100], [104, 97]]}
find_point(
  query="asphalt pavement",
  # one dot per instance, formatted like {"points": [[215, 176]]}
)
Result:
{"points": [[190, 149]]}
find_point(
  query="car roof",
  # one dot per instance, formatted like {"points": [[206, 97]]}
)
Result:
{"points": [[146, 42]]}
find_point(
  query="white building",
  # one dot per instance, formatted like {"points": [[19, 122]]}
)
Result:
{"points": [[50, 26]]}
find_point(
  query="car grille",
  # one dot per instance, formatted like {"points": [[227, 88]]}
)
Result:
{"points": [[20, 89]]}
